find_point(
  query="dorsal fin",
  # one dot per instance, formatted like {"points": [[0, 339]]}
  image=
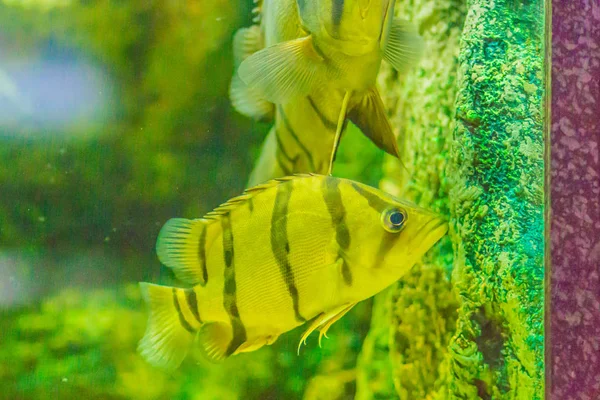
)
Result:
{"points": [[249, 194], [181, 242]]}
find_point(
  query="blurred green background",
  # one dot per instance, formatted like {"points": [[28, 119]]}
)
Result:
{"points": [[115, 117]]}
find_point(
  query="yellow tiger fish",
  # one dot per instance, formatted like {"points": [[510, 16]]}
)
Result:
{"points": [[312, 64], [291, 250]]}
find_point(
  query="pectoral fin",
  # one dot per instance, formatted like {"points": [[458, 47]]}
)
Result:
{"points": [[284, 71], [404, 46], [370, 117]]}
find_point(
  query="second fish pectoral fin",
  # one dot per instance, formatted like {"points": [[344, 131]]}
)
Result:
{"points": [[370, 117], [284, 71], [404, 46], [324, 321]]}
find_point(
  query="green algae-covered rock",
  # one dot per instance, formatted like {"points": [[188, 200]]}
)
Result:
{"points": [[473, 121], [497, 200], [413, 339]]}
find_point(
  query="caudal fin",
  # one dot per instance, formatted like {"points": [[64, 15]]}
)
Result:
{"points": [[172, 325]]}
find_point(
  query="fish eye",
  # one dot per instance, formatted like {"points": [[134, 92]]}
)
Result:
{"points": [[393, 219]]}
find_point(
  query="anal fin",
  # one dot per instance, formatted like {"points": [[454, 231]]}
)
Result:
{"points": [[214, 339], [370, 117]]}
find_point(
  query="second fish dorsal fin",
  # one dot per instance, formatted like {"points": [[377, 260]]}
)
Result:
{"points": [[404, 46], [246, 42], [370, 117], [284, 71], [246, 100]]}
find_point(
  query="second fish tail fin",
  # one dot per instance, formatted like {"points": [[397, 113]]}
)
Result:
{"points": [[172, 327]]}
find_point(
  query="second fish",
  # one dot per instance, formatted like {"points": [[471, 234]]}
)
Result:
{"points": [[313, 65]]}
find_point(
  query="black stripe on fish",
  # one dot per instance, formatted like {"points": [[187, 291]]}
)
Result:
{"points": [[227, 240], [375, 201], [326, 122], [280, 146], [297, 139], [229, 288], [337, 10], [192, 302], [286, 171], [202, 255], [250, 205], [182, 319], [280, 244], [335, 206], [386, 244]]}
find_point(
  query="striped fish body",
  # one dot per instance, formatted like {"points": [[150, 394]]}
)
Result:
{"points": [[283, 253]]}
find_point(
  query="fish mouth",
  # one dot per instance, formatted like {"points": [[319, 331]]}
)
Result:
{"points": [[439, 228]]}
